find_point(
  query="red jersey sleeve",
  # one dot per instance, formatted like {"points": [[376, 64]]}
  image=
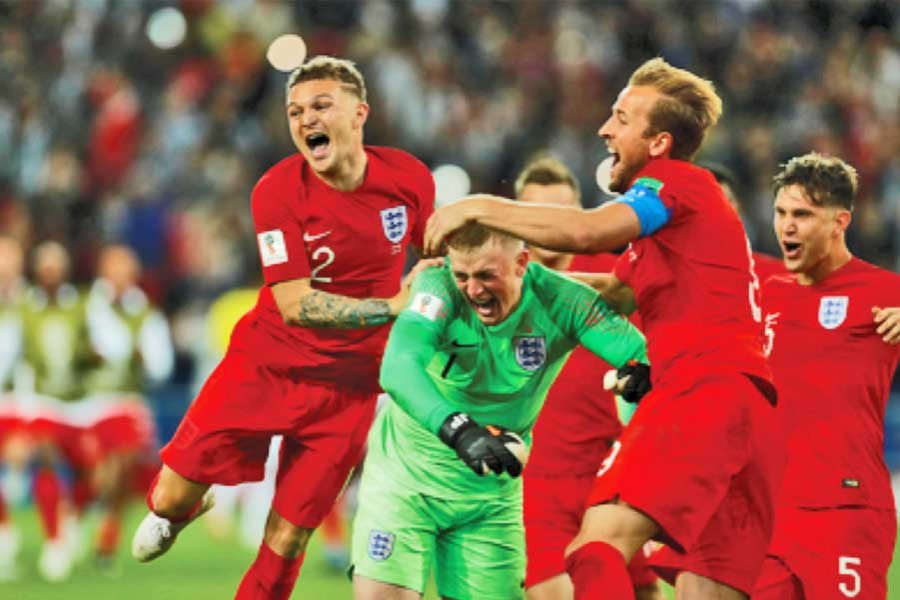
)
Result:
{"points": [[279, 233]]}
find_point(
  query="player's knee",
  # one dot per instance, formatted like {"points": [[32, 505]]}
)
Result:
{"points": [[285, 538], [172, 501], [618, 525]]}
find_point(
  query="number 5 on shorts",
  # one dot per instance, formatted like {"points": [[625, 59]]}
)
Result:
{"points": [[845, 567]]}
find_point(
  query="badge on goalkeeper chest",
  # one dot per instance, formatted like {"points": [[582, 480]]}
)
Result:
{"points": [[531, 352], [381, 544]]}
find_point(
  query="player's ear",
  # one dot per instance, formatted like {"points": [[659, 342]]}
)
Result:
{"points": [[522, 259], [362, 113], [661, 144], [842, 221]]}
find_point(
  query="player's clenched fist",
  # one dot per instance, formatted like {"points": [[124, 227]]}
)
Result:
{"points": [[631, 381], [484, 449]]}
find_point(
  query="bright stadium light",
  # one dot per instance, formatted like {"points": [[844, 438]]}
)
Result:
{"points": [[166, 28], [603, 176], [286, 52], [451, 183]]}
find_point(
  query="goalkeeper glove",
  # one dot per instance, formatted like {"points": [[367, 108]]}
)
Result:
{"points": [[484, 449], [633, 381]]}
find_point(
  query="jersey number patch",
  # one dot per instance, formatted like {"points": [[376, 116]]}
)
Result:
{"points": [[852, 588], [326, 255]]}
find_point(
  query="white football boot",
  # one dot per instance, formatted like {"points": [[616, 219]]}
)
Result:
{"points": [[155, 535], [56, 560], [10, 542]]}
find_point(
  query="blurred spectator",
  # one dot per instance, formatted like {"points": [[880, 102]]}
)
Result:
{"points": [[120, 136]]}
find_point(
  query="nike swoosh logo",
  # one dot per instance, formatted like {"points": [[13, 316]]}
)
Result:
{"points": [[458, 345], [311, 238]]}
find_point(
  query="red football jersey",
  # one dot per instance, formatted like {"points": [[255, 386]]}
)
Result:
{"points": [[765, 266], [579, 420], [692, 279], [349, 243], [833, 373]]}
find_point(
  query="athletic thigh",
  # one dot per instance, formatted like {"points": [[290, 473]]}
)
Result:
{"points": [[481, 550], [393, 533], [677, 461], [552, 510], [317, 459]]}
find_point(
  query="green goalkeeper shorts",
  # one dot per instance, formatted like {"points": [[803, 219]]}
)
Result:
{"points": [[476, 546]]}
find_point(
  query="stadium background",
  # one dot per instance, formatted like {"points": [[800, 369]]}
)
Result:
{"points": [[148, 123]]}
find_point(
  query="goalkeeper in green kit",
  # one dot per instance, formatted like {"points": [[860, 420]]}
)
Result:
{"points": [[468, 365]]}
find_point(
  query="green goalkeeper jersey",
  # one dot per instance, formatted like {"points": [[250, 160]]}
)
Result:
{"points": [[440, 359]]}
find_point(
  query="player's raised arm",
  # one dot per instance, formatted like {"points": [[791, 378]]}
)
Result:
{"points": [[561, 228]]}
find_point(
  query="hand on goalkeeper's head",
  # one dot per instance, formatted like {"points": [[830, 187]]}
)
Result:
{"points": [[484, 449]]}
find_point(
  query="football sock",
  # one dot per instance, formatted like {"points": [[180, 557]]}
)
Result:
{"points": [[270, 577], [599, 572], [82, 493], [4, 513], [172, 519], [332, 527], [108, 539], [47, 492]]}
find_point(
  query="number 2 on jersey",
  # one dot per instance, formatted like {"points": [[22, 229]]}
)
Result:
{"points": [[327, 254]]}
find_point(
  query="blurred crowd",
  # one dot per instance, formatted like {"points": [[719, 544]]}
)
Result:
{"points": [[109, 134]]}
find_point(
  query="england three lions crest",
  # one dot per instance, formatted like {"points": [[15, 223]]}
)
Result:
{"points": [[381, 545], [833, 311], [394, 222], [531, 352]]}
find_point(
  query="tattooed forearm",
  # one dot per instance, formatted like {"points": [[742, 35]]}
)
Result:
{"points": [[321, 309]]}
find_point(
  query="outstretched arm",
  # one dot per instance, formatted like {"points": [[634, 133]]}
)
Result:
{"points": [[302, 305], [560, 228]]}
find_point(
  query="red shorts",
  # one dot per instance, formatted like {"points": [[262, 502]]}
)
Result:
{"points": [[829, 554], [11, 420], [701, 457], [553, 509], [51, 423], [126, 425], [224, 436]]}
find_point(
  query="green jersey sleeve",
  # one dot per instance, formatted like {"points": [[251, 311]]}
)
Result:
{"points": [[585, 316], [411, 346]]}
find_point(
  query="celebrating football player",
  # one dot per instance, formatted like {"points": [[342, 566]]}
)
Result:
{"points": [[832, 331], [698, 465], [333, 224], [468, 365]]}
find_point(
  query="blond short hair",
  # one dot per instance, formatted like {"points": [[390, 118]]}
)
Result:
{"points": [[689, 107], [474, 236], [546, 170], [335, 69]]}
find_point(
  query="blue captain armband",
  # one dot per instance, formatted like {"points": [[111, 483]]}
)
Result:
{"points": [[643, 198]]}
